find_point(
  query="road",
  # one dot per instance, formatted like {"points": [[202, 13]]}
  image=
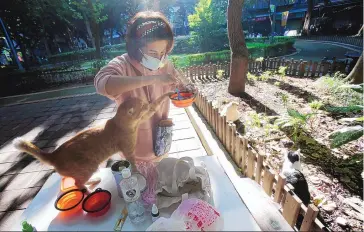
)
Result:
{"points": [[307, 50], [316, 51]]}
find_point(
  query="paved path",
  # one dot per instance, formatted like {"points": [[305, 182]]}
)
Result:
{"points": [[48, 124], [317, 50]]}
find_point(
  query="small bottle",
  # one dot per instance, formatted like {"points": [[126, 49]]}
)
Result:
{"points": [[155, 213], [27, 227], [131, 194]]}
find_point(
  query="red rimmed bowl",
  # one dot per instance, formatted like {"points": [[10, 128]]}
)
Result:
{"points": [[186, 101], [97, 203]]}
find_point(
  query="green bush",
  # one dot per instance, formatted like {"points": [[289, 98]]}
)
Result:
{"points": [[255, 50], [88, 54]]}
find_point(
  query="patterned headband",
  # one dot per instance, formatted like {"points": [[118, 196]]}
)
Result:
{"points": [[148, 27]]}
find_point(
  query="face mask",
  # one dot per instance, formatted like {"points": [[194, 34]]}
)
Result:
{"points": [[151, 63]]}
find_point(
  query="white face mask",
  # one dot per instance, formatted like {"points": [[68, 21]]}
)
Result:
{"points": [[152, 63]]}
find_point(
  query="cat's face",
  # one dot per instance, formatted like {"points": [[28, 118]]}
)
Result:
{"points": [[293, 156], [292, 160], [133, 109]]}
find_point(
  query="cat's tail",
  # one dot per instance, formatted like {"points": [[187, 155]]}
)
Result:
{"points": [[28, 147]]}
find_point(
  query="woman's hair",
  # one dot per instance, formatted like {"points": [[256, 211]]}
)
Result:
{"points": [[146, 27]]}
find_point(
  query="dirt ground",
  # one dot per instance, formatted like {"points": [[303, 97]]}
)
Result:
{"points": [[264, 101]]}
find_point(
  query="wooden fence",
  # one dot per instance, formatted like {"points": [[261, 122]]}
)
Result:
{"points": [[253, 166], [296, 68]]}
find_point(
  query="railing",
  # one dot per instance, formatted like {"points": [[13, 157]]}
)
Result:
{"points": [[297, 68], [352, 40], [253, 166]]}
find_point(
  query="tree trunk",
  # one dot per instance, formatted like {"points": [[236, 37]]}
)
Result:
{"points": [[96, 30], [111, 35], [88, 29], [239, 51], [306, 24], [356, 75], [23, 50], [46, 46], [360, 32]]}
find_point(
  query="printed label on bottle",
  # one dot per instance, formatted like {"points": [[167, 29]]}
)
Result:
{"points": [[131, 195]]}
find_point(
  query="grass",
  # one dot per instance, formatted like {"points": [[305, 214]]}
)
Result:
{"points": [[332, 87]]}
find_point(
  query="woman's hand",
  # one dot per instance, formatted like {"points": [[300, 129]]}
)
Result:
{"points": [[188, 88], [165, 79]]}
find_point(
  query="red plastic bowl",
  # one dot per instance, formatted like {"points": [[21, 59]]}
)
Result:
{"points": [[97, 203], [188, 99]]}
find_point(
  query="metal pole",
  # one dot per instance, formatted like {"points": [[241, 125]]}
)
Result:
{"points": [[11, 45]]}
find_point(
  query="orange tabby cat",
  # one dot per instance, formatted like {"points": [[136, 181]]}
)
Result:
{"points": [[80, 156]]}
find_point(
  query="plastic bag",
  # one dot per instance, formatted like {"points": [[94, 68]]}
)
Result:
{"points": [[198, 215], [167, 224]]}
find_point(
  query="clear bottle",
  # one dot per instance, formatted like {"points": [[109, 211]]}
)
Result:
{"points": [[155, 213], [131, 194]]}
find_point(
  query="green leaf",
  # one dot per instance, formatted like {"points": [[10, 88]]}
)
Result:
{"points": [[356, 88], [345, 135], [344, 109], [298, 115]]}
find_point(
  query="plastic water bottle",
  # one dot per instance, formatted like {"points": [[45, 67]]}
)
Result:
{"points": [[131, 194]]}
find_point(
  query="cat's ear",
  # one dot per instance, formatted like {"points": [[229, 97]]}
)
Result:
{"points": [[298, 151], [131, 111]]}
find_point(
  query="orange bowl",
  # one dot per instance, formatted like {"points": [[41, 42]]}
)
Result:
{"points": [[70, 201], [186, 101]]}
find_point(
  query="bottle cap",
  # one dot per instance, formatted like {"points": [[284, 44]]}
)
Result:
{"points": [[154, 209], [126, 173]]}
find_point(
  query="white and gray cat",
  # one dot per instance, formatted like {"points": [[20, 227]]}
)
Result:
{"points": [[292, 171]]}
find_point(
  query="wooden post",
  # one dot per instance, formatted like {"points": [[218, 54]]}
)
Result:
{"points": [[279, 188], [314, 69], [209, 108], [224, 124], [232, 139], [302, 68], [244, 152], [268, 181], [251, 164], [228, 137], [214, 70], [213, 118], [309, 68], [219, 125], [309, 218], [258, 170], [204, 107], [238, 151], [291, 208]]}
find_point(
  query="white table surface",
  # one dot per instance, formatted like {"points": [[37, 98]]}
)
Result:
{"points": [[44, 217]]}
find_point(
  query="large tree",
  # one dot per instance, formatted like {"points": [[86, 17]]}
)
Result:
{"points": [[306, 24], [239, 51], [356, 75]]}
